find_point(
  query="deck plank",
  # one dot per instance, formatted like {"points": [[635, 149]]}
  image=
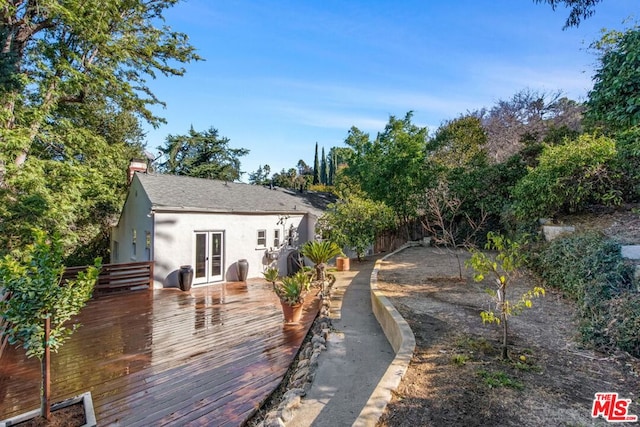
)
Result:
{"points": [[206, 357]]}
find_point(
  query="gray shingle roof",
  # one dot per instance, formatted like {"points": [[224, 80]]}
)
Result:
{"points": [[187, 193]]}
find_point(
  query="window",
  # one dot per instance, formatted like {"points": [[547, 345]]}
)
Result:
{"points": [[262, 238], [276, 238], [133, 242]]}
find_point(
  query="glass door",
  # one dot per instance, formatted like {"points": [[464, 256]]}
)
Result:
{"points": [[208, 257]]}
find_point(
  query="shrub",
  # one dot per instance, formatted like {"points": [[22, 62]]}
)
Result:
{"points": [[568, 177], [624, 322], [589, 269], [571, 263]]}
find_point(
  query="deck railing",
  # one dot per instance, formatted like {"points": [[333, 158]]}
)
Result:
{"points": [[116, 277]]}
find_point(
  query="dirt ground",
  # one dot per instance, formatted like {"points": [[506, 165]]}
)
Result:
{"points": [[457, 377]]}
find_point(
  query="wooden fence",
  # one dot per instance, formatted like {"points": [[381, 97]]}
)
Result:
{"points": [[391, 240], [118, 277], [113, 277]]}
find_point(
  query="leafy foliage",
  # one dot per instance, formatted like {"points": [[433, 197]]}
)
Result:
{"points": [[502, 268], [580, 9], [390, 169], [568, 177], [33, 279], [293, 289], [202, 155], [355, 222], [614, 101], [590, 270], [73, 89]]}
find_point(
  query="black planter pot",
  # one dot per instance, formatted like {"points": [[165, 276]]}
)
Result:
{"points": [[243, 270], [185, 277]]}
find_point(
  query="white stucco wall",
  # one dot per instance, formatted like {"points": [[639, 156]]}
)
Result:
{"points": [[175, 233], [135, 216]]}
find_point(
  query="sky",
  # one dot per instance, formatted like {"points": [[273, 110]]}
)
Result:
{"points": [[280, 76]]}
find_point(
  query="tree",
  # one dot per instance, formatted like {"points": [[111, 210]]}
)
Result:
{"points": [[202, 155], [39, 304], [503, 268], [355, 222], [260, 176], [305, 174], [614, 101], [526, 120], [580, 9], [448, 225], [459, 143], [72, 93], [391, 169], [323, 169], [58, 54], [316, 168]]}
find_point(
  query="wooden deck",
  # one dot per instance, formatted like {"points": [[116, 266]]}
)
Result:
{"points": [[206, 357]]}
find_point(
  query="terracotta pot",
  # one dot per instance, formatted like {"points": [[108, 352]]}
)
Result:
{"points": [[292, 313], [342, 263]]}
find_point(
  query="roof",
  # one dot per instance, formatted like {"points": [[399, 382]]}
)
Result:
{"points": [[199, 194]]}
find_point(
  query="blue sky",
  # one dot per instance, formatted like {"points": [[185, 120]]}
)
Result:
{"points": [[279, 76]]}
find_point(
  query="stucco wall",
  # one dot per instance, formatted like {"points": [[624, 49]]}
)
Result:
{"points": [[175, 233], [135, 216]]}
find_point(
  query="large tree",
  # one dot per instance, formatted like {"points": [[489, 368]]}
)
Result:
{"points": [[614, 101], [526, 119], [579, 9], [203, 155], [72, 93], [62, 53], [391, 168]]}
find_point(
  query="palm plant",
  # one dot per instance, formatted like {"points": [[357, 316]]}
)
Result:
{"points": [[320, 253]]}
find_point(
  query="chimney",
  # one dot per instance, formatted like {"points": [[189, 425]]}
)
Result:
{"points": [[136, 165]]}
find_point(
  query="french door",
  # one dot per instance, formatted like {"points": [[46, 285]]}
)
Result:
{"points": [[209, 257]]}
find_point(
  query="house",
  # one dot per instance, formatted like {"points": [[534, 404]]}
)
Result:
{"points": [[210, 225]]}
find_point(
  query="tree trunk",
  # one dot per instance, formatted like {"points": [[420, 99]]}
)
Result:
{"points": [[45, 408], [505, 355]]}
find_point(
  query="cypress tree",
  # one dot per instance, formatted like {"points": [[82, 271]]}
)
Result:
{"points": [[323, 169], [316, 168]]}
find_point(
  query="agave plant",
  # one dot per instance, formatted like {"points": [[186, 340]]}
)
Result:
{"points": [[292, 289], [320, 253], [271, 275]]}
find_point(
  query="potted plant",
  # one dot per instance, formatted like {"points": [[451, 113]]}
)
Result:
{"points": [[291, 291], [38, 307]]}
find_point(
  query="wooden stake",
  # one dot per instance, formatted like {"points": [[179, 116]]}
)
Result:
{"points": [[45, 408]]}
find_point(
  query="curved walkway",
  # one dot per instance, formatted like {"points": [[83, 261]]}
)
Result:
{"points": [[362, 365]]}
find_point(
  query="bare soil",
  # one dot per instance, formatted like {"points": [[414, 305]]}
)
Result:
{"points": [[457, 377]]}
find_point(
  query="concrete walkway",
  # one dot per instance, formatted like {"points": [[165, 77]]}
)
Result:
{"points": [[357, 357]]}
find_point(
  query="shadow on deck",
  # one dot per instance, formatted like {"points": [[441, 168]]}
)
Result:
{"points": [[206, 357]]}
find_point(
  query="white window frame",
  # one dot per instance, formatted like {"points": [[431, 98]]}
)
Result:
{"points": [[262, 238], [276, 237]]}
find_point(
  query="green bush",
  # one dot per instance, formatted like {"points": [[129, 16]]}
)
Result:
{"points": [[571, 263], [589, 269], [624, 322], [568, 178]]}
